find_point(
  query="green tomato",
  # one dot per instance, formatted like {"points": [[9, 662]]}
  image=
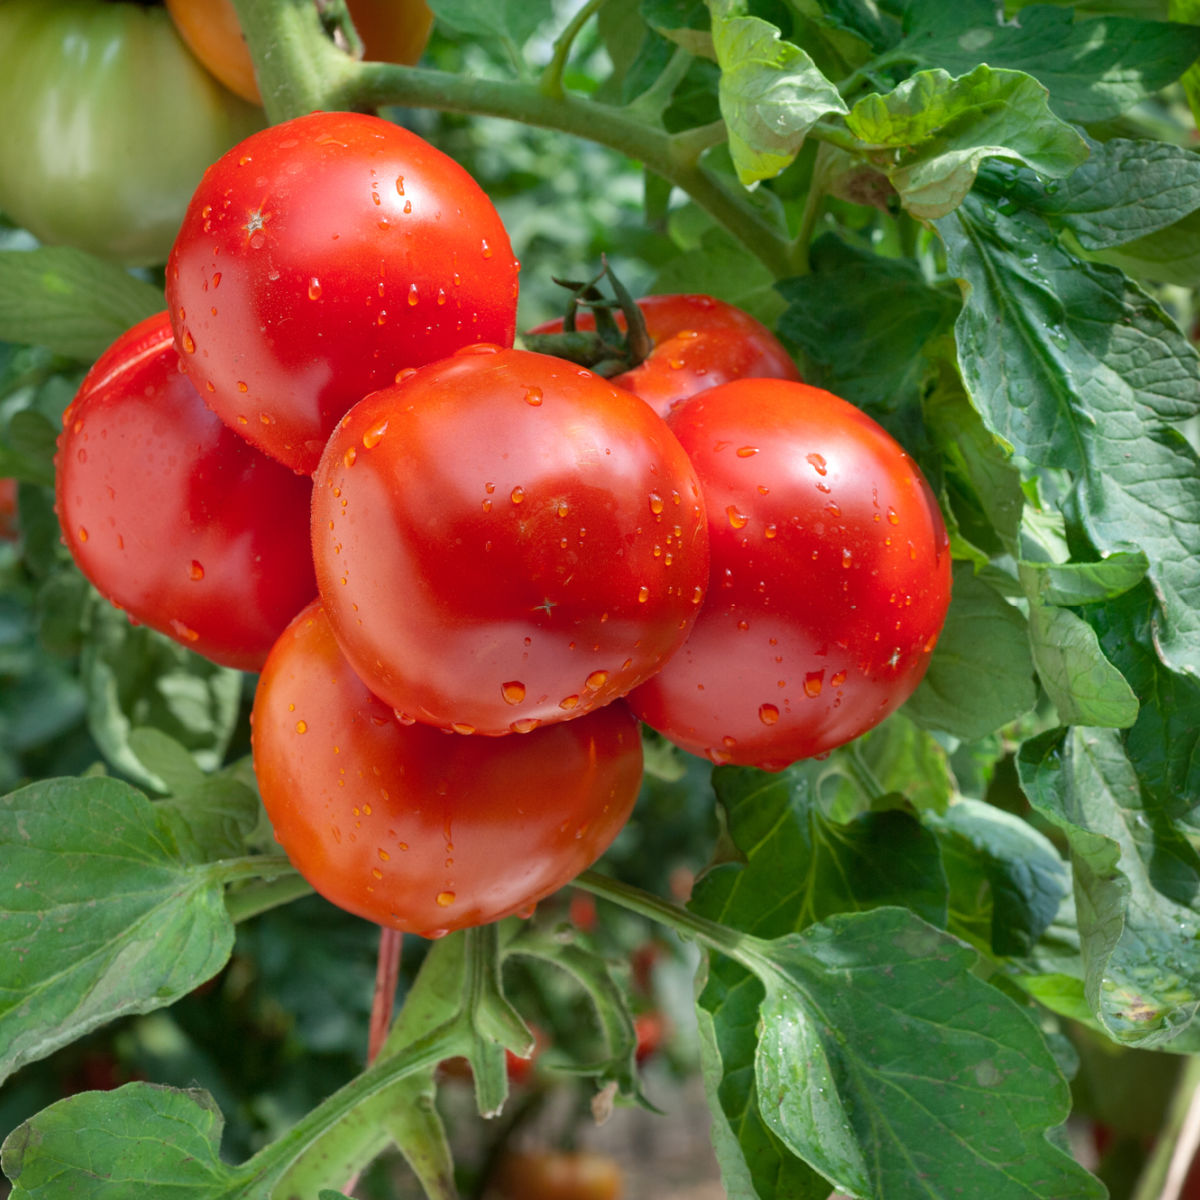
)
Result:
{"points": [[109, 123]]}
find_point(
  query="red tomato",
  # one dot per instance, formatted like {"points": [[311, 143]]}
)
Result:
{"points": [[172, 516], [317, 259], [699, 343], [417, 829], [504, 540], [830, 578], [650, 1029], [559, 1175]]}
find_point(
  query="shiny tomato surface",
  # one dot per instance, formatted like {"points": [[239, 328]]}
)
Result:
{"points": [[505, 539], [559, 1175], [171, 515], [830, 578], [698, 342], [319, 258], [418, 829]]}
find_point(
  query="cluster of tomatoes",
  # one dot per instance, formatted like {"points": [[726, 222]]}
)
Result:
{"points": [[514, 560]]}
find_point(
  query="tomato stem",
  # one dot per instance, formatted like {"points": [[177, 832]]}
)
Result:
{"points": [[257, 898], [551, 83], [387, 972]]}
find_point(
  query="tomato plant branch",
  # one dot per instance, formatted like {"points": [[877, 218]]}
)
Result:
{"points": [[551, 82], [1168, 1164], [686, 924], [256, 898], [387, 972]]}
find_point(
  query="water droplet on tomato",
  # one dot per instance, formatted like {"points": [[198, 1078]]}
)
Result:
{"points": [[768, 714], [813, 682], [196, 571], [301, 726], [373, 436], [189, 343], [487, 250], [517, 495], [596, 680], [513, 691], [525, 725], [569, 702], [445, 899], [462, 727], [533, 396], [643, 594], [747, 451], [837, 678], [736, 519], [846, 558], [350, 456], [83, 534], [399, 185]]}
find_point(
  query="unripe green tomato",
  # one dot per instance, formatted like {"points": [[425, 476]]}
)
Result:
{"points": [[109, 122]]}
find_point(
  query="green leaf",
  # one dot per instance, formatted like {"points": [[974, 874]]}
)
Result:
{"points": [[1094, 69], [1086, 582], [892, 1069], [135, 677], [795, 866], [1171, 255], [866, 321], [102, 914], [1164, 743], [984, 638], [509, 21], [684, 22], [70, 301], [1079, 371], [1126, 190], [942, 128], [1085, 687], [1189, 11], [1135, 879], [1007, 881], [771, 95], [139, 1140]]}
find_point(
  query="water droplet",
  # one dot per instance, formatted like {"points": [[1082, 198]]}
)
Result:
{"points": [[350, 456], [533, 396], [837, 678], [403, 717], [373, 436], [83, 534], [517, 495], [643, 594], [196, 571], [487, 506], [768, 714], [525, 725], [569, 702], [697, 594], [747, 451], [314, 288], [384, 856], [513, 691], [813, 682], [770, 531], [656, 503], [381, 319], [892, 516], [596, 680], [412, 295], [462, 727], [846, 558], [817, 462], [189, 343], [736, 519], [445, 899], [301, 726], [487, 250]]}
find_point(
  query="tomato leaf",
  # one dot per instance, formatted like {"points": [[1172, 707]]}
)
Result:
{"points": [[103, 914], [1094, 68], [1085, 687], [773, 820], [940, 129], [771, 94], [508, 21], [1069, 363], [135, 677], [890, 1067], [82, 1144], [865, 322], [1007, 881], [1135, 876], [1086, 582], [69, 301], [984, 638]]}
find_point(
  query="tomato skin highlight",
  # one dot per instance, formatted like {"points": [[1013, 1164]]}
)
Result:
{"points": [[505, 539], [417, 829], [699, 342], [171, 515], [319, 258], [109, 123], [830, 578]]}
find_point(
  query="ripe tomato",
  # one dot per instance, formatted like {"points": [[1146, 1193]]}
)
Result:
{"points": [[504, 540], [391, 31], [109, 123], [417, 829], [320, 257], [830, 578], [559, 1175], [171, 515], [699, 342]]}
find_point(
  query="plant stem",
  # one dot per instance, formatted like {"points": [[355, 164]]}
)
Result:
{"points": [[687, 924], [552, 77], [258, 898], [387, 972], [1166, 1169]]}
